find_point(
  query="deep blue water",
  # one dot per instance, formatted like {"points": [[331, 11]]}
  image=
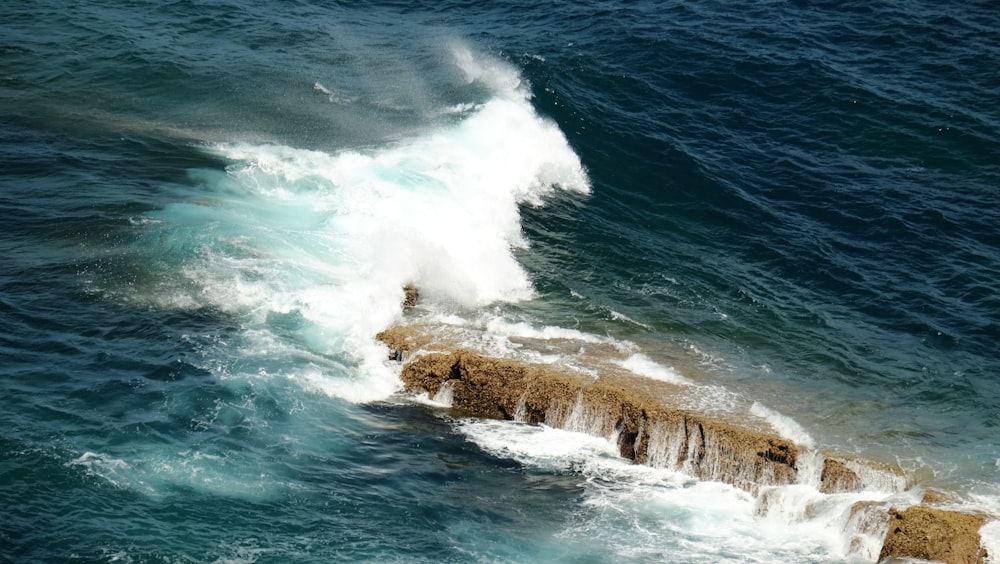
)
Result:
{"points": [[209, 210]]}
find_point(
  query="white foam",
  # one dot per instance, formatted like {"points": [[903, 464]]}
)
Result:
{"points": [[784, 425], [332, 238], [662, 510], [439, 210], [642, 365], [115, 471], [500, 77], [153, 474], [644, 512], [539, 445], [500, 326], [989, 536], [626, 319]]}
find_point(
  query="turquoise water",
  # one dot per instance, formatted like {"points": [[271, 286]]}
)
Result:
{"points": [[209, 211]]}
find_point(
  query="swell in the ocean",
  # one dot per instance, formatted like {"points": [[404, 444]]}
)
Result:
{"points": [[227, 312]]}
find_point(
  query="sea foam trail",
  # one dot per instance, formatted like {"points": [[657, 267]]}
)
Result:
{"points": [[312, 249]]}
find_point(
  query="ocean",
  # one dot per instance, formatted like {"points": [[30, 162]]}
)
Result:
{"points": [[210, 209]]}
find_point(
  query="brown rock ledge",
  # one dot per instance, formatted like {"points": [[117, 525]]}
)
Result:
{"points": [[641, 415], [646, 418], [615, 407]]}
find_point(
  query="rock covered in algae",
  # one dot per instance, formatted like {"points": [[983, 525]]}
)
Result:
{"points": [[934, 534]]}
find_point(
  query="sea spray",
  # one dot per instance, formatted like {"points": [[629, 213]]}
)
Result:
{"points": [[784, 425], [310, 250]]}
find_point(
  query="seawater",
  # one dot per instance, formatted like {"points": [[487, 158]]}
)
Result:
{"points": [[209, 210]]}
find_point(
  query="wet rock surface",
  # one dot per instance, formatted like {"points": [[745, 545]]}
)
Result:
{"points": [[640, 415], [934, 534], [614, 407]]}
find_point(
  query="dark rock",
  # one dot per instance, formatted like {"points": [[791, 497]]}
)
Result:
{"points": [[410, 295]]}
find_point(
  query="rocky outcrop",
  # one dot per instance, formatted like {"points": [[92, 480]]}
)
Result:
{"points": [[837, 477], [934, 534], [650, 425], [628, 411], [640, 414], [847, 474]]}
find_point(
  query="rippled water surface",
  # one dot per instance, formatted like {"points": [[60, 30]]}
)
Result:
{"points": [[210, 209]]}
